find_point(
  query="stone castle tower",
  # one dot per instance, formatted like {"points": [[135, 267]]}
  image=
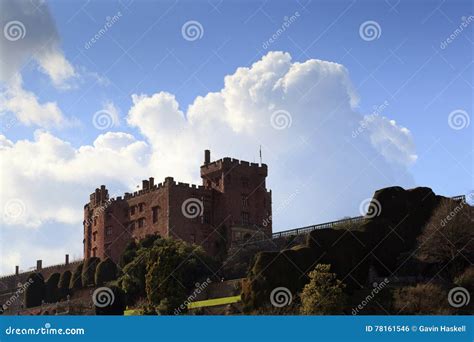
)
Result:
{"points": [[228, 208]]}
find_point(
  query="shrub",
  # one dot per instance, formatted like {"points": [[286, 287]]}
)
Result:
{"points": [[466, 279], [128, 254], [88, 271], [448, 238], [117, 303], [34, 294], [64, 282], [324, 294], [51, 291], [106, 271], [173, 268], [76, 278], [422, 299]]}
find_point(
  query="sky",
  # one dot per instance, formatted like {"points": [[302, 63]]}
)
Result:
{"points": [[344, 98]]}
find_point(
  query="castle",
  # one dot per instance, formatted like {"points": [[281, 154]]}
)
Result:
{"points": [[229, 207]]}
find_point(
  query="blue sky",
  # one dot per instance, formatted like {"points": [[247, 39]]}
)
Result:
{"points": [[408, 65]]}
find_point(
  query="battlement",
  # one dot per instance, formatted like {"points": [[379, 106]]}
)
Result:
{"points": [[228, 163]]}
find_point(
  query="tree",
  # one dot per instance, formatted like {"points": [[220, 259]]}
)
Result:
{"points": [[324, 294], [64, 282], [422, 299], [76, 279], [173, 269], [88, 271], [34, 293], [128, 254], [106, 271], [51, 293], [448, 237]]}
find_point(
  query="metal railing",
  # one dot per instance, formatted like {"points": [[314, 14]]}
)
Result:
{"points": [[307, 229]]}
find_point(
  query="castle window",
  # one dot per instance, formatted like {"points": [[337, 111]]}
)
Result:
{"points": [[132, 210], [108, 231], [245, 218], [141, 222], [155, 214], [141, 206], [95, 220], [94, 252], [94, 236], [245, 201]]}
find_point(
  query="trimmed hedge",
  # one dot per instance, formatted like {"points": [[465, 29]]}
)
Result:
{"points": [[76, 278], [63, 285], [88, 271], [34, 293], [106, 271], [51, 291]]}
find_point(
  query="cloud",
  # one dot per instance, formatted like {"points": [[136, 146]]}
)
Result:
{"points": [[27, 108], [315, 156], [32, 35], [301, 113], [49, 179]]}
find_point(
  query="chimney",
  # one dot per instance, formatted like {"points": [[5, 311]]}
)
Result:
{"points": [[207, 157], [145, 184], [66, 261], [39, 265], [151, 180], [17, 270]]}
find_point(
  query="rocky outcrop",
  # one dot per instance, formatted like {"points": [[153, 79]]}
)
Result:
{"points": [[397, 217]]}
